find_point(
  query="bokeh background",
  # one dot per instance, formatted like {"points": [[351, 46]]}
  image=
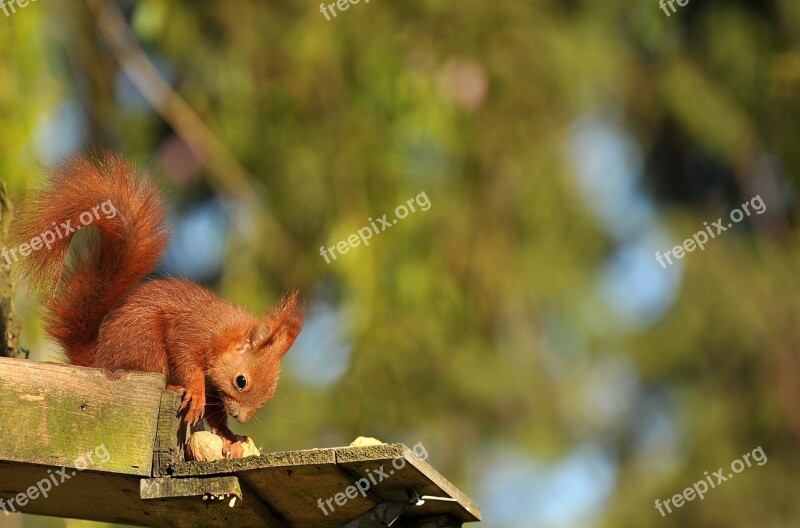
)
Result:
{"points": [[520, 328]]}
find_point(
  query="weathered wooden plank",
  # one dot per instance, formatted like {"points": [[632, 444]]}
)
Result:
{"points": [[114, 497], [170, 435], [55, 414], [267, 460], [206, 501], [393, 470], [296, 491], [107, 497], [294, 483], [170, 488]]}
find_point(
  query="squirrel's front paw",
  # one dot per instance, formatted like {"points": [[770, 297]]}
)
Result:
{"points": [[233, 449], [195, 401]]}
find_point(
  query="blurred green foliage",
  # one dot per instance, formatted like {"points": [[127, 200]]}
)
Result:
{"points": [[477, 326]]}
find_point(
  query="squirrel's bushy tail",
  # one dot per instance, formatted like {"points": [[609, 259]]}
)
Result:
{"points": [[130, 236]]}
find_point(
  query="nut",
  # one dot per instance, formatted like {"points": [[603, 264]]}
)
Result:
{"points": [[205, 446]]}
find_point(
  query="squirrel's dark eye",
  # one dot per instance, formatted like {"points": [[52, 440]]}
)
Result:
{"points": [[241, 381]]}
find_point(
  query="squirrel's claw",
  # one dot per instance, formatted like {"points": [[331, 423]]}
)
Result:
{"points": [[195, 402]]}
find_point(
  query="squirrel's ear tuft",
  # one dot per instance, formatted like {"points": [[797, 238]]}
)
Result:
{"points": [[289, 314]]}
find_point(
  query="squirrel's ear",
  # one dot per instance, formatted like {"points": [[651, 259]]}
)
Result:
{"points": [[257, 334]]}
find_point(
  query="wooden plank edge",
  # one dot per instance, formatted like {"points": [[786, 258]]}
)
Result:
{"points": [[169, 442], [309, 457], [169, 488], [389, 451], [448, 487], [111, 375]]}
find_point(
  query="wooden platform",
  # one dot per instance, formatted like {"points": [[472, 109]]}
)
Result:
{"points": [[106, 446]]}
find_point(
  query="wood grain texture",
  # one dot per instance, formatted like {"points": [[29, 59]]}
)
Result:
{"points": [[168, 488], [296, 491], [53, 414], [206, 501], [170, 435], [107, 497], [396, 470], [237, 465], [115, 498], [293, 482]]}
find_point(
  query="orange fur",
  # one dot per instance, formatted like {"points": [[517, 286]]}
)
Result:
{"points": [[104, 316]]}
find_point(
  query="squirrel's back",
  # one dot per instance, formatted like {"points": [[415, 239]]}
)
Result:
{"points": [[129, 215]]}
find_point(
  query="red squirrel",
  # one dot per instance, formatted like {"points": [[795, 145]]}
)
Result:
{"points": [[220, 358]]}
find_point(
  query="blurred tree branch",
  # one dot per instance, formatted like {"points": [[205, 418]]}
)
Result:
{"points": [[9, 325], [225, 170]]}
